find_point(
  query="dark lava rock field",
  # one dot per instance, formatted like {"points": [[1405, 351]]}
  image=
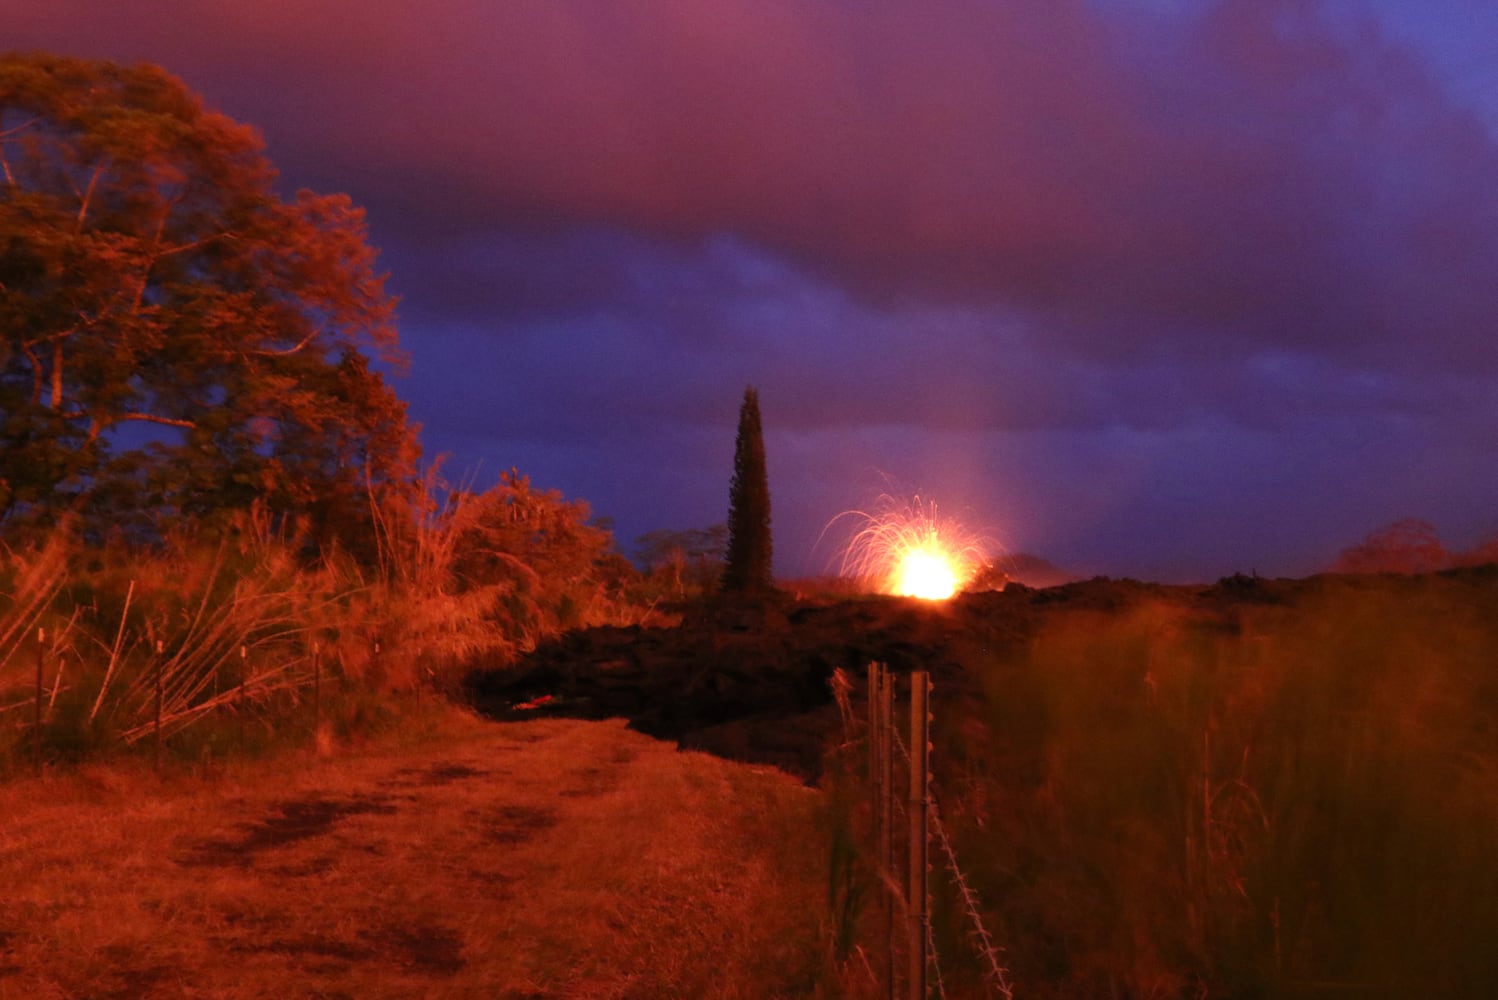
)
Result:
{"points": [[753, 680]]}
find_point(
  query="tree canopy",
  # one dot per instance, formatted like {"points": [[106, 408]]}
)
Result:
{"points": [[690, 559], [178, 339]]}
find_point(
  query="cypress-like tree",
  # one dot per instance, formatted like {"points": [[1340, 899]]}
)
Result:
{"points": [[749, 552]]}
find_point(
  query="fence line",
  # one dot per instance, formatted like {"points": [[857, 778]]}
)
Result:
{"points": [[881, 774], [918, 885], [911, 895], [986, 948], [36, 719]]}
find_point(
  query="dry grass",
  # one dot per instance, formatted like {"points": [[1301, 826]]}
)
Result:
{"points": [[548, 859]]}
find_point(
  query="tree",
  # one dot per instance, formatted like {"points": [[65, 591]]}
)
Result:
{"points": [[546, 565], [687, 560], [1485, 552], [1407, 546], [178, 340], [749, 552]]}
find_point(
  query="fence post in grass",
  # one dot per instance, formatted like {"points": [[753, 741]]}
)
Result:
{"points": [[316, 686], [917, 886], [244, 673], [877, 789], [160, 660], [36, 720], [874, 733], [886, 808]]}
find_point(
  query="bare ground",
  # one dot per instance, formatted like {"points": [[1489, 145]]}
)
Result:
{"points": [[547, 859]]}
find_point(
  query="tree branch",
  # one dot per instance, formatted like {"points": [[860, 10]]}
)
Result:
{"points": [[227, 234], [56, 399], [152, 418], [36, 373], [59, 335], [289, 350], [160, 252], [145, 271], [97, 425], [19, 128], [149, 418], [10, 178], [88, 196]]}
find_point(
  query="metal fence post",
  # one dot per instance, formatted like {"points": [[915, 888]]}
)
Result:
{"points": [[156, 751], [316, 686], [887, 818], [877, 738], [36, 720], [872, 687], [244, 673], [917, 885]]}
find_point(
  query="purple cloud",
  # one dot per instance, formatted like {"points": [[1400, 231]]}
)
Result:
{"points": [[1169, 286]]}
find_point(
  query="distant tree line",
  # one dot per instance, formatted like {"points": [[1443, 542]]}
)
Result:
{"points": [[1410, 546], [687, 562]]}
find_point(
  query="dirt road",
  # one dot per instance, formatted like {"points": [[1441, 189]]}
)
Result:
{"points": [[545, 859]]}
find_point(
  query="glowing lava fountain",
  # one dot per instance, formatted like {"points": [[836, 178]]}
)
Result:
{"points": [[911, 551]]}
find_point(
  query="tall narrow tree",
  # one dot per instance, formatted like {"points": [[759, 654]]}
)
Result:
{"points": [[748, 565]]}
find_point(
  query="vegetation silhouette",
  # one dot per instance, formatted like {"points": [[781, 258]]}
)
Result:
{"points": [[179, 341], [688, 562], [748, 567]]}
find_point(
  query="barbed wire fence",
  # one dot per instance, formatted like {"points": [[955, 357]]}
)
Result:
{"points": [[904, 807]]}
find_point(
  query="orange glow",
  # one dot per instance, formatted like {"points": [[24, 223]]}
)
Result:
{"points": [[910, 551], [926, 572]]}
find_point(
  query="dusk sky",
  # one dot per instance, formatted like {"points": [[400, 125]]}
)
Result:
{"points": [[1159, 289]]}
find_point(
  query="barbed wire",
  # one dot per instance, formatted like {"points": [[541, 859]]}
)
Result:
{"points": [[941, 988], [985, 946]]}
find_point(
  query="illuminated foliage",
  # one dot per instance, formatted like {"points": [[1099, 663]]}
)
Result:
{"points": [[178, 340], [541, 544], [1408, 546], [528, 562]]}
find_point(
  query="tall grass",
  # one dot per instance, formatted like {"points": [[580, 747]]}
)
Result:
{"points": [[188, 632], [29, 583], [1289, 798], [493, 574], [229, 639]]}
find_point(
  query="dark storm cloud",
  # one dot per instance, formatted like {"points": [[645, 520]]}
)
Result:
{"points": [[1213, 278], [1258, 171], [677, 330]]}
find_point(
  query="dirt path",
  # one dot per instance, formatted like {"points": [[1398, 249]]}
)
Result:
{"points": [[547, 859]]}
